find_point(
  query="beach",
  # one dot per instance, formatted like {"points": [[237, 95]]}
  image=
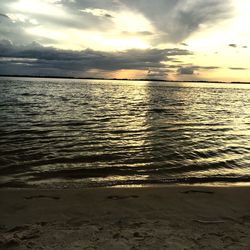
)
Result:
{"points": [[157, 217]]}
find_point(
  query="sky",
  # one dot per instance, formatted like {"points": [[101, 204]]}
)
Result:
{"points": [[160, 39]]}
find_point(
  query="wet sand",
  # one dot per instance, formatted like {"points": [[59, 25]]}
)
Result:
{"points": [[173, 217]]}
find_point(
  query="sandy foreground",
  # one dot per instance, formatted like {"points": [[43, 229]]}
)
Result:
{"points": [[180, 217]]}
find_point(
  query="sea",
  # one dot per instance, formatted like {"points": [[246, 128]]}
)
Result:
{"points": [[73, 133]]}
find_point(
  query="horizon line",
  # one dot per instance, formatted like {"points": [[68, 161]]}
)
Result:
{"points": [[121, 79]]}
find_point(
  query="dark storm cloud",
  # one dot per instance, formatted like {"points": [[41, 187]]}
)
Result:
{"points": [[66, 61]]}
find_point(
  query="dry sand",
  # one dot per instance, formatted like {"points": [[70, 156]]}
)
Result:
{"points": [[126, 218]]}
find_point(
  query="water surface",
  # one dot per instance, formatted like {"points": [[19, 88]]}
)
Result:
{"points": [[78, 133]]}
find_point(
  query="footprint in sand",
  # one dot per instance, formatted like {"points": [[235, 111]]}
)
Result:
{"points": [[197, 191], [18, 235], [42, 197], [120, 197]]}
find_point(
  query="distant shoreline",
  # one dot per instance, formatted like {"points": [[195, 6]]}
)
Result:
{"points": [[119, 79]]}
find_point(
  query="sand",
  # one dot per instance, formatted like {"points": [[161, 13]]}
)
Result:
{"points": [[173, 217]]}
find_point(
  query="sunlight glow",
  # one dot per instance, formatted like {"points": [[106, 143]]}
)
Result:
{"points": [[124, 21], [78, 40], [125, 43], [132, 22], [128, 74], [107, 41], [39, 7], [41, 31]]}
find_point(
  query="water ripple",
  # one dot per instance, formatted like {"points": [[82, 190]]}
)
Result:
{"points": [[79, 132]]}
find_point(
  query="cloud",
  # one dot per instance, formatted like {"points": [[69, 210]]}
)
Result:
{"points": [[5, 46], [97, 12], [138, 33], [108, 15], [173, 20], [50, 15], [190, 70], [238, 68], [234, 45], [91, 4], [3, 15], [176, 20], [158, 73], [185, 71], [12, 31], [47, 60]]}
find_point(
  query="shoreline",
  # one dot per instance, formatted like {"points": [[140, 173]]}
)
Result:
{"points": [[162, 217], [128, 186]]}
